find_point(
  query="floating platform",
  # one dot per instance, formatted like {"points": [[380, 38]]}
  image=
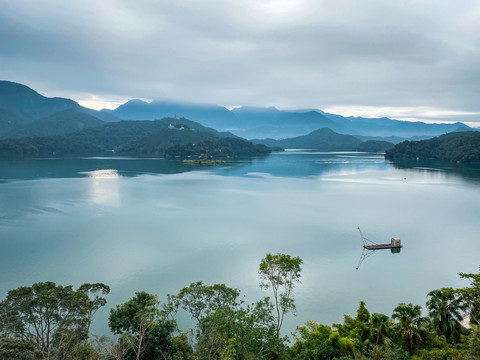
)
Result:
{"points": [[395, 243]]}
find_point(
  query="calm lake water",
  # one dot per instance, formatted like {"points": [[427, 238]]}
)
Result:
{"points": [[154, 225]]}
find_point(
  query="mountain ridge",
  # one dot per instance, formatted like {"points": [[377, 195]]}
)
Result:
{"points": [[20, 104]]}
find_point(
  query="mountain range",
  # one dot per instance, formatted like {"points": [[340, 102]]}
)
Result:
{"points": [[254, 122], [26, 113]]}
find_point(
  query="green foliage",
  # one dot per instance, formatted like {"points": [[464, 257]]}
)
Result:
{"points": [[199, 299], [55, 318], [380, 327], [313, 341], [375, 146], [224, 328], [18, 349], [410, 324], [228, 148], [281, 273], [470, 296], [363, 315], [456, 147], [137, 138], [436, 354], [135, 317], [473, 346], [444, 310]]}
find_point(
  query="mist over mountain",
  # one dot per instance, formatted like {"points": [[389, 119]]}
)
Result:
{"points": [[21, 105], [210, 115]]}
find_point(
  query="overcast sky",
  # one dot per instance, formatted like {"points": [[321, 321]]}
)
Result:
{"points": [[404, 59]]}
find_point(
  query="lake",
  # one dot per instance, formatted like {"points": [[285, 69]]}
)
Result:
{"points": [[155, 225]]}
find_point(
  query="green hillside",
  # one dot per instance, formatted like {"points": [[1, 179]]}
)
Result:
{"points": [[134, 138], [63, 122], [321, 139], [456, 147]]}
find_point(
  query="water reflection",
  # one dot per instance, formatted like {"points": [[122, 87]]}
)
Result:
{"points": [[469, 172], [104, 187], [125, 225]]}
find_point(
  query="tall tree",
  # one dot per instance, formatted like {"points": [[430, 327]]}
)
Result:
{"points": [[281, 273], [444, 309], [199, 299], [44, 313], [410, 323], [470, 296], [96, 299], [380, 325], [135, 317]]}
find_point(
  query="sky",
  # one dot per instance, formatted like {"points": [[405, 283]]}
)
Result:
{"points": [[410, 60]]}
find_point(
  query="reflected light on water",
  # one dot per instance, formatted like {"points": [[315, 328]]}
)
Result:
{"points": [[104, 187], [104, 174]]}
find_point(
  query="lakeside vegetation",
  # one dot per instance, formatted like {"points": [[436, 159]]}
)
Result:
{"points": [[170, 138], [457, 147], [49, 321]]}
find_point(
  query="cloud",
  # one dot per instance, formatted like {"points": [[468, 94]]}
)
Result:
{"points": [[290, 54]]}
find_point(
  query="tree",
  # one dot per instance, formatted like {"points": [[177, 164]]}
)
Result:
{"points": [[18, 349], [95, 293], [470, 296], [199, 299], [410, 323], [313, 342], [135, 317], [444, 310], [380, 324], [281, 273], [45, 313]]}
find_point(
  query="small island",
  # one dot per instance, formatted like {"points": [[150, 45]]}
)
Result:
{"points": [[203, 161]]}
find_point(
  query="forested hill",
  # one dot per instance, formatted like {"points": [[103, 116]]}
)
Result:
{"points": [[63, 122], [145, 138], [321, 139], [456, 147]]}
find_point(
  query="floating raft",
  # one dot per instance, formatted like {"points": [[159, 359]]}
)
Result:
{"points": [[395, 245]]}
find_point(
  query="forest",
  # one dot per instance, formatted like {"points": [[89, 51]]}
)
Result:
{"points": [[50, 321], [456, 147]]}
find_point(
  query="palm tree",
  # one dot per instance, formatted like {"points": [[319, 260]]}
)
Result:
{"points": [[444, 309], [379, 327], [410, 323]]}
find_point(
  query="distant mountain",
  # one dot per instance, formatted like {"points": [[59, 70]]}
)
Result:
{"points": [[210, 115], [321, 139], [11, 119], [455, 147], [374, 146], [273, 123], [131, 137], [386, 127], [391, 139], [254, 122], [156, 143], [21, 104], [63, 122], [23, 99]]}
